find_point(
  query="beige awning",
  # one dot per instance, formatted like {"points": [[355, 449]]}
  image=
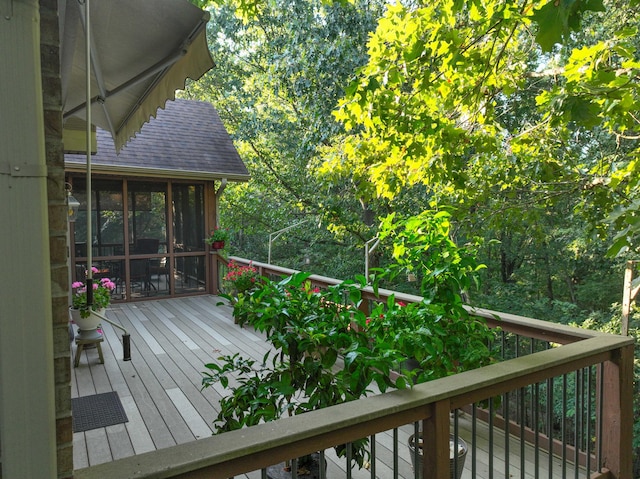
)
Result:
{"points": [[142, 51]]}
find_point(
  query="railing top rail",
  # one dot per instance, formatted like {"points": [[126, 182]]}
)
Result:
{"points": [[224, 455], [529, 327]]}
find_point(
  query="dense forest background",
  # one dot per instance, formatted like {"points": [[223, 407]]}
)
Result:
{"points": [[519, 118], [533, 184]]}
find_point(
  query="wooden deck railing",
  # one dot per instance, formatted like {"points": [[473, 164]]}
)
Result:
{"points": [[246, 450]]}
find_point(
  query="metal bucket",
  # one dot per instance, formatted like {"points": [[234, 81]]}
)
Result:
{"points": [[461, 449]]}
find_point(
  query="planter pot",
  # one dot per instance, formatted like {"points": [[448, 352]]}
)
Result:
{"points": [[217, 245], [461, 449], [411, 365], [87, 327], [308, 468]]}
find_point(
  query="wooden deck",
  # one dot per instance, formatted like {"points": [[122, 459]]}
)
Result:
{"points": [[171, 340]]}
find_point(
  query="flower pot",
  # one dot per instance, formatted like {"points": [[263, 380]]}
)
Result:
{"points": [[461, 450], [217, 245], [87, 327], [308, 468]]}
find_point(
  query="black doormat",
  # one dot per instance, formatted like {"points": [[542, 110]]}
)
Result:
{"points": [[97, 410]]}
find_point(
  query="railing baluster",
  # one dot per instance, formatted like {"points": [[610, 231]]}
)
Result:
{"points": [[600, 414], [491, 407], [474, 436], [395, 453], [323, 465], [550, 425], [589, 411], [576, 425], [372, 463], [416, 450], [507, 434], [584, 417], [535, 403], [349, 458], [522, 437], [455, 443], [564, 425]]}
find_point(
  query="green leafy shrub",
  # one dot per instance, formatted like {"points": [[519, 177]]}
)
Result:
{"points": [[328, 351]]}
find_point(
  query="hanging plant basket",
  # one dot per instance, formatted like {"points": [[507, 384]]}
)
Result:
{"points": [[217, 245]]}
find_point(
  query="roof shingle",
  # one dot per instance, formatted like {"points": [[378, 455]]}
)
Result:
{"points": [[187, 139]]}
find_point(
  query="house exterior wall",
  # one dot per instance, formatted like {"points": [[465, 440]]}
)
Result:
{"points": [[58, 227], [37, 356]]}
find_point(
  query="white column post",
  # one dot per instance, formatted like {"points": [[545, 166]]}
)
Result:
{"points": [[27, 401]]}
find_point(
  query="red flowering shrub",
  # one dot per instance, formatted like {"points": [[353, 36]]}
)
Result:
{"points": [[240, 278]]}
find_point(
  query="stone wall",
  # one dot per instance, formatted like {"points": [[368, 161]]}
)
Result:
{"points": [[52, 103]]}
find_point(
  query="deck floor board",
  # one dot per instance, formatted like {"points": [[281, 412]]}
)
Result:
{"points": [[160, 389]]}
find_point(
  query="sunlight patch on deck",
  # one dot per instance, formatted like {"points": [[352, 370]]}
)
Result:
{"points": [[191, 417], [205, 327], [165, 317], [146, 335], [246, 333], [138, 433]]}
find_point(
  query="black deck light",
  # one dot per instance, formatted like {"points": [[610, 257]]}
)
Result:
{"points": [[126, 338], [126, 346]]}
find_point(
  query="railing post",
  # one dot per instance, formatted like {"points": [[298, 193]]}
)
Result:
{"points": [[617, 410], [436, 442]]}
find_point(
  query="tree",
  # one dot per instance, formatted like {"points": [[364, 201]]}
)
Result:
{"points": [[278, 75], [437, 105]]}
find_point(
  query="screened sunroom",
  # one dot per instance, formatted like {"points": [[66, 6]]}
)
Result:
{"points": [[154, 202]]}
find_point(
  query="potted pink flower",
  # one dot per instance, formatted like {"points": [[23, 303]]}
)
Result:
{"points": [[81, 313]]}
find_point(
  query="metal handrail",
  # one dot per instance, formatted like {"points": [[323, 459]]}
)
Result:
{"points": [[126, 338]]}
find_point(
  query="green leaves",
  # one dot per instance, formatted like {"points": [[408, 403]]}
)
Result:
{"points": [[557, 18], [330, 352], [426, 72]]}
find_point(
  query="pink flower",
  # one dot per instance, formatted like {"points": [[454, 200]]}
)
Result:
{"points": [[107, 283], [102, 289]]}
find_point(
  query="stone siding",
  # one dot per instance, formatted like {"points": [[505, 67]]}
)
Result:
{"points": [[51, 90]]}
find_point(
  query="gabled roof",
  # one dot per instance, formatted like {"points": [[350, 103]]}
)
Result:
{"points": [[186, 140]]}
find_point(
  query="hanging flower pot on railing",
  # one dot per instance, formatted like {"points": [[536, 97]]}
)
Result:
{"points": [[217, 238], [217, 245]]}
